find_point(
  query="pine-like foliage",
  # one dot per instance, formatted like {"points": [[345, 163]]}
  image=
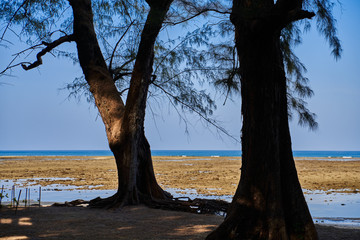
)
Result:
{"points": [[183, 62], [118, 27]]}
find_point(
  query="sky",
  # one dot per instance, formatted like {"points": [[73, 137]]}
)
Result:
{"points": [[36, 115]]}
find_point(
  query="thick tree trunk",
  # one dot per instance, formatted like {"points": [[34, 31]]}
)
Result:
{"points": [[124, 124], [268, 203], [137, 181]]}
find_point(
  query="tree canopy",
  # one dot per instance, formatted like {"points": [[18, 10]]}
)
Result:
{"points": [[205, 52]]}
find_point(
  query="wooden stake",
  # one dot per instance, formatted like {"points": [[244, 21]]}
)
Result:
{"points": [[39, 196], [2, 191], [18, 200], [26, 195], [12, 195], [29, 198]]}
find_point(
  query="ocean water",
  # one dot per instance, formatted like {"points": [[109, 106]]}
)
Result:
{"points": [[189, 153]]}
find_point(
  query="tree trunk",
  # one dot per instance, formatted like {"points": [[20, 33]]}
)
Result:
{"points": [[124, 124], [137, 181], [268, 203]]}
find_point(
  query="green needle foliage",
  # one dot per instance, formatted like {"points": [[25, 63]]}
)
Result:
{"points": [[183, 61]]}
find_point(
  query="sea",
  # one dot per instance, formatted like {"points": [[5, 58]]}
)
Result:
{"points": [[188, 153]]}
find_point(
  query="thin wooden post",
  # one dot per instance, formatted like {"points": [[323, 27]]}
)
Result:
{"points": [[17, 203], [39, 196], [29, 198], [26, 195], [12, 196], [2, 191]]}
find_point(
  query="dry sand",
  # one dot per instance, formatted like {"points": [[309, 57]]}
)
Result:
{"points": [[137, 222], [215, 176]]}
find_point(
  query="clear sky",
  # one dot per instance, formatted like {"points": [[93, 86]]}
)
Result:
{"points": [[36, 115]]}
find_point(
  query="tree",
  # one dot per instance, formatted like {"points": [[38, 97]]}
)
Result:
{"points": [[269, 203], [107, 78], [124, 123]]}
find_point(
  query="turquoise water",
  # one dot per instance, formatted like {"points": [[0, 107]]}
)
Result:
{"points": [[199, 153]]}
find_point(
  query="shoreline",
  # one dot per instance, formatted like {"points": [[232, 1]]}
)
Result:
{"points": [[208, 175], [328, 185], [329, 182]]}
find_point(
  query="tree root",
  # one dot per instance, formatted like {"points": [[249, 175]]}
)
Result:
{"points": [[107, 203], [74, 203], [182, 204], [197, 205]]}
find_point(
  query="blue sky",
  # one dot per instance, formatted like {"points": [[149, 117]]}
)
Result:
{"points": [[36, 115]]}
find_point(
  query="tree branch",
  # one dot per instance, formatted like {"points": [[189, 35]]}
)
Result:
{"points": [[288, 11], [120, 75], [288, 5], [298, 14], [9, 23], [211, 122], [47, 49], [200, 12], [118, 42]]}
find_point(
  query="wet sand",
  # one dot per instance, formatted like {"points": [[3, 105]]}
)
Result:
{"points": [[207, 175]]}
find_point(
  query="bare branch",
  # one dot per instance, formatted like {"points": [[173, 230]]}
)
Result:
{"points": [[48, 48], [12, 66], [200, 12], [118, 42], [117, 71]]}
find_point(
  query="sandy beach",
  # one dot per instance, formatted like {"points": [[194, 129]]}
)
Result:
{"points": [[207, 175], [136, 222]]}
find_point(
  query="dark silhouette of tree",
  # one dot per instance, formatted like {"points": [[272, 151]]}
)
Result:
{"points": [[269, 203]]}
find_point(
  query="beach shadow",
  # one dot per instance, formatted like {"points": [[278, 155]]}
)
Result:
{"points": [[82, 223], [134, 222]]}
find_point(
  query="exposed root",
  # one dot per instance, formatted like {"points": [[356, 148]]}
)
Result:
{"points": [[183, 204], [74, 203], [110, 202], [197, 205]]}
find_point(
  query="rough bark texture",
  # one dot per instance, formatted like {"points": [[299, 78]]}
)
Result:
{"points": [[268, 203], [136, 177], [124, 124]]}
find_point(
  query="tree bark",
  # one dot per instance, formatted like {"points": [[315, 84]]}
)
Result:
{"points": [[268, 203], [124, 124], [137, 182]]}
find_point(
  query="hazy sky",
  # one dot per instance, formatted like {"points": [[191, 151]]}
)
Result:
{"points": [[36, 115]]}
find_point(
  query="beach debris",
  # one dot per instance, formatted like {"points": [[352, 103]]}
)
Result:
{"points": [[74, 203]]}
